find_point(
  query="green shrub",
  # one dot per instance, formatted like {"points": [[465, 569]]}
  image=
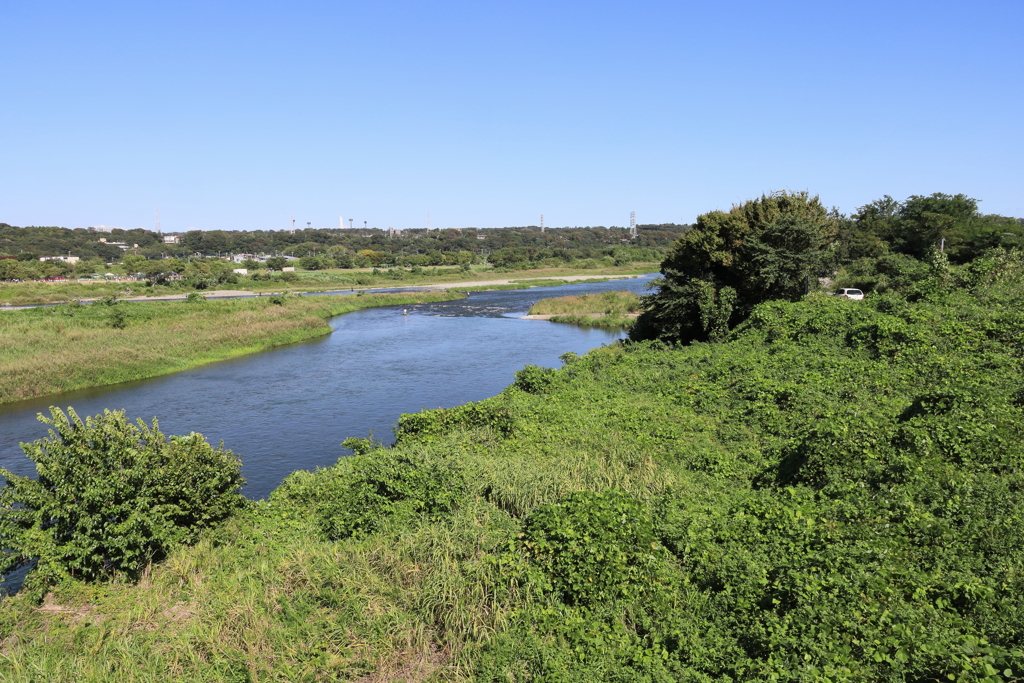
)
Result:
{"points": [[195, 298], [593, 547], [429, 425], [382, 484], [534, 379], [119, 318], [111, 497]]}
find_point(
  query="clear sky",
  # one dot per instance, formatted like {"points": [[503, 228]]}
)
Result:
{"points": [[237, 115]]}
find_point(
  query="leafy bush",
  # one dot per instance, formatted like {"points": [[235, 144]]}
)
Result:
{"points": [[119, 318], [195, 298], [593, 547], [428, 425], [382, 484], [534, 379], [111, 497]]}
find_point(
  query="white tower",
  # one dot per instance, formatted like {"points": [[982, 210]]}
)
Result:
{"points": [[632, 224], [542, 222]]}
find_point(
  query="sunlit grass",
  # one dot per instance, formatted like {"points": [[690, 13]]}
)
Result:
{"points": [[603, 309], [55, 349]]}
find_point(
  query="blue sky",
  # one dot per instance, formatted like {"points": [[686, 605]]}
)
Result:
{"points": [[237, 115]]}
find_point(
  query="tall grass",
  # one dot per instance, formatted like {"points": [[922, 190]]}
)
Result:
{"points": [[603, 309], [50, 350]]}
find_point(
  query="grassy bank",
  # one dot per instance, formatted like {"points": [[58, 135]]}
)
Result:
{"points": [[54, 349], [605, 309], [834, 494], [28, 293]]}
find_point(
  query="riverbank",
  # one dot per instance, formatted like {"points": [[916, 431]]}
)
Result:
{"points": [[55, 349], [35, 293], [607, 309], [824, 497]]}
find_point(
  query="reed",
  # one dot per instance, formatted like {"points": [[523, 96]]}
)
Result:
{"points": [[603, 309]]}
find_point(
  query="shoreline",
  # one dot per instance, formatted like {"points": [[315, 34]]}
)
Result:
{"points": [[102, 362], [440, 286]]}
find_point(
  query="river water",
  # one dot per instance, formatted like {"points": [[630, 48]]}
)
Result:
{"points": [[290, 408]]}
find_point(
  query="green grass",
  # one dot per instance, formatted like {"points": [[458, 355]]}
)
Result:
{"points": [[55, 349], [604, 309], [833, 494]]}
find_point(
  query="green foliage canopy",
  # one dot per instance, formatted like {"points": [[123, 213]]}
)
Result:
{"points": [[767, 248]]}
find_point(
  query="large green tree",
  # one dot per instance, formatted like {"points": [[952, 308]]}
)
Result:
{"points": [[951, 222], [773, 247]]}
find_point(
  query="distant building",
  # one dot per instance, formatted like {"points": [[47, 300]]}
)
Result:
{"points": [[103, 228], [123, 246], [65, 259], [288, 269], [240, 271]]}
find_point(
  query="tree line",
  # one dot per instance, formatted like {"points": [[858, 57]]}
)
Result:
{"points": [[780, 246], [353, 248]]}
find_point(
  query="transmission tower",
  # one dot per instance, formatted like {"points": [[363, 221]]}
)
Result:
{"points": [[632, 224], [542, 222], [156, 210]]}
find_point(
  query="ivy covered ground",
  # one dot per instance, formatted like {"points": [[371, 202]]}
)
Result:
{"points": [[832, 494]]}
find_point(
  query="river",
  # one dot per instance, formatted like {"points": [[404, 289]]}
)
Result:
{"points": [[291, 407]]}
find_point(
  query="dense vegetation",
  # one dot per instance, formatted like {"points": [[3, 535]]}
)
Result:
{"points": [[112, 497], [779, 245], [53, 349], [832, 492], [323, 249]]}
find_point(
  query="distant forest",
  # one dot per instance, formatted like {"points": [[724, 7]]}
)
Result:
{"points": [[501, 246], [885, 226]]}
